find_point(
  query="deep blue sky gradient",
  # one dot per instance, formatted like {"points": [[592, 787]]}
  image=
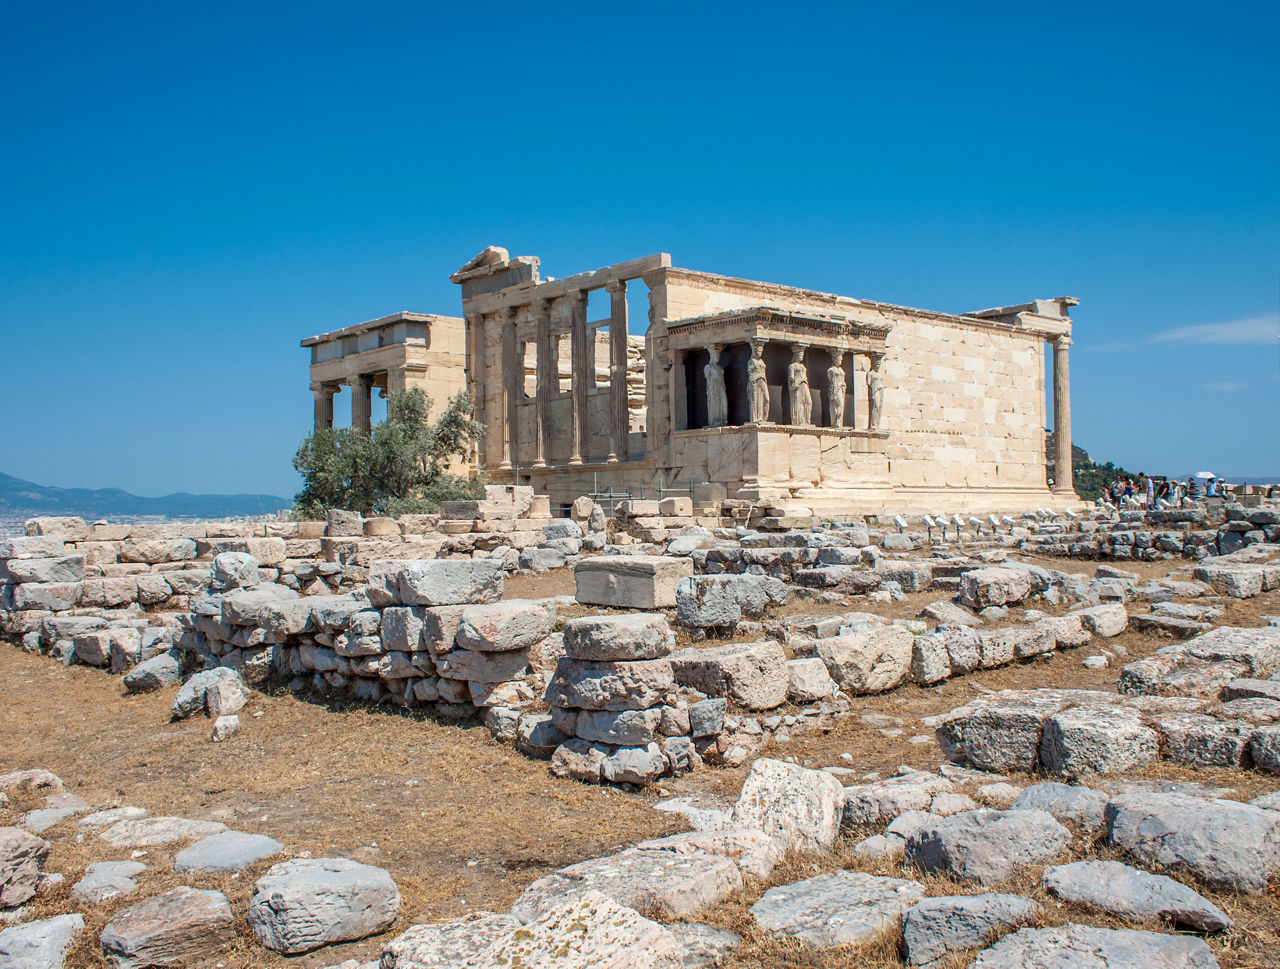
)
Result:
{"points": [[190, 189]]}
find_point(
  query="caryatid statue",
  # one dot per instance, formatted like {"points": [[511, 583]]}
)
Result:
{"points": [[875, 394], [717, 400], [835, 390], [798, 385], [757, 384]]}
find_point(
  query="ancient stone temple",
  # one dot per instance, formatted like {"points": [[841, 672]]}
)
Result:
{"points": [[736, 389], [756, 390], [390, 353]]}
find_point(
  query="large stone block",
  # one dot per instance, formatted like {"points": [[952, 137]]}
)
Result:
{"points": [[179, 927], [871, 661], [706, 601], [630, 581], [612, 638], [986, 846], [1224, 842], [1084, 740], [447, 582], [302, 905], [1086, 947], [840, 908], [21, 857], [800, 809], [752, 675], [66, 568], [993, 586], [610, 686]]}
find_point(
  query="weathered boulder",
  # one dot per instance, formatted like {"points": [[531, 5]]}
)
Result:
{"points": [[934, 928], [307, 903], [799, 808], [808, 680], [224, 697], [154, 673], [503, 626], [537, 736], [178, 927], [840, 908], [1081, 806], [22, 855], [446, 944], [234, 570], [624, 727], [589, 931], [754, 852], [147, 832], [226, 851], [1128, 892], [42, 944], [632, 636], [671, 883], [1203, 741], [1224, 842], [1106, 620], [105, 880], [1264, 748], [707, 601], [871, 661], [993, 586], [882, 801], [1082, 740], [630, 581], [639, 764], [610, 686], [191, 697], [1086, 947], [751, 674], [986, 846], [448, 582]]}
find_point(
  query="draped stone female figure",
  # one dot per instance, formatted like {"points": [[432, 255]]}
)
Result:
{"points": [[798, 384], [835, 391], [758, 384], [717, 399]]}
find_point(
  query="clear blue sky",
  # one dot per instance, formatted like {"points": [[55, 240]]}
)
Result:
{"points": [[189, 189]]}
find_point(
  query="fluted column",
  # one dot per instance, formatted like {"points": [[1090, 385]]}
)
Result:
{"points": [[1063, 480], [548, 380], [323, 406], [579, 373], [619, 419], [509, 387], [361, 404]]}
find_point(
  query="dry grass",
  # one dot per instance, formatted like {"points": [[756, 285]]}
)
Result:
{"points": [[482, 822], [479, 823]]}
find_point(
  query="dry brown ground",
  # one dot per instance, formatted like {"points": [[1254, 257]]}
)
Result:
{"points": [[482, 821], [459, 821]]}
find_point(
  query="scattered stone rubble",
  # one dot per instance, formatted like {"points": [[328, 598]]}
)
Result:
{"points": [[610, 697]]}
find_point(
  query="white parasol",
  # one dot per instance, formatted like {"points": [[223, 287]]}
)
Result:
{"points": [[1205, 474]]}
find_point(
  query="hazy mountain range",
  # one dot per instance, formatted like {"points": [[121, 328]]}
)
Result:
{"points": [[19, 497]]}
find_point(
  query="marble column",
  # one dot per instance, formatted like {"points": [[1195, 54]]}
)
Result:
{"points": [[758, 384], [548, 380], [510, 388], [1063, 479], [717, 399], [619, 419], [836, 388], [579, 373], [324, 406], [361, 403]]}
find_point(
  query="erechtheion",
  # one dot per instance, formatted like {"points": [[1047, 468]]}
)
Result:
{"points": [[738, 389]]}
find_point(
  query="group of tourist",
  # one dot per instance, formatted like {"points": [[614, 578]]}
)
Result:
{"points": [[1148, 492]]}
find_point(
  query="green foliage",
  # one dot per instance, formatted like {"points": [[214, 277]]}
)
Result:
{"points": [[1088, 477], [397, 469]]}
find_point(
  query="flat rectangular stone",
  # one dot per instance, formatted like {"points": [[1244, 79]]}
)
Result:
{"points": [[630, 581]]}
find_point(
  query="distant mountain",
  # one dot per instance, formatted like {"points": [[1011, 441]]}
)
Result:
{"points": [[18, 497]]}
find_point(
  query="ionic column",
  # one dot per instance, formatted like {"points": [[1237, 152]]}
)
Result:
{"points": [[619, 420], [579, 373], [548, 381], [509, 388], [324, 407], [361, 404], [1063, 481]]}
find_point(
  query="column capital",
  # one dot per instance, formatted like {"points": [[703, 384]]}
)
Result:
{"points": [[616, 286], [1062, 342], [576, 297], [507, 314]]}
